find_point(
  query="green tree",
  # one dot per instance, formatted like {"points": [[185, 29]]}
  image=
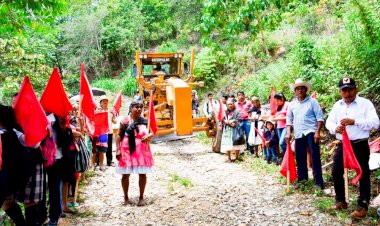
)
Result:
{"points": [[237, 22]]}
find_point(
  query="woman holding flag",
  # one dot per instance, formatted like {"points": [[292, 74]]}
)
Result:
{"points": [[133, 150]]}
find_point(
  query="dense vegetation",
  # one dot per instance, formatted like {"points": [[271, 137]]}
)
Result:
{"points": [[255, 43]]}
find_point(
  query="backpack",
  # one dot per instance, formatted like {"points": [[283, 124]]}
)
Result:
{"points": [[82, 157]]}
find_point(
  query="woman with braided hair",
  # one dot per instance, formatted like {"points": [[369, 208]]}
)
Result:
{"points": [[133, 150]]}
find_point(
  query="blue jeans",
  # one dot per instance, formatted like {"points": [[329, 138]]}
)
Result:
{"points": [[246, 127], [301, 157], [282, 136], [271, 152]]}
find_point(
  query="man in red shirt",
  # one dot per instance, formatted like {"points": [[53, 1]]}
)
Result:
{"points": [[243, 105]]}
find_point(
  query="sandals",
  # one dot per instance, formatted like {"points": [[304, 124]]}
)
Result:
{"points": [[73, 205]]}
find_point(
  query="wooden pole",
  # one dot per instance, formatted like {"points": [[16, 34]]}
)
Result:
{"points": [[81, 122], [288, 179], [346, 184]]}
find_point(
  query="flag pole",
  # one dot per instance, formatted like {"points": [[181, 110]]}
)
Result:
{"points": [[81, 115], [346, 184], [288, 179]]}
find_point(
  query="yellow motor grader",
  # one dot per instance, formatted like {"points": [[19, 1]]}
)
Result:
{"points": [[171, 80]]}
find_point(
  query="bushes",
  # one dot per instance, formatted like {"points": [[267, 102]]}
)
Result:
{"points": [[206, 66], [127, 84]]}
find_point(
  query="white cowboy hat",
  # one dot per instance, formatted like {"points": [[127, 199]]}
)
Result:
{"points": [[269, 120], [103, 97], [299, 83]]}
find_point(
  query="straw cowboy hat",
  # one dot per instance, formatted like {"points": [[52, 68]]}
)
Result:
{"points": [[299, 83]]}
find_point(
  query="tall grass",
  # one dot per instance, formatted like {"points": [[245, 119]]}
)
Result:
{"points": [[127, 84]]}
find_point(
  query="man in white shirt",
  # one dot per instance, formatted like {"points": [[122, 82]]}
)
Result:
{"points": [[359, 117], [211, 106]]}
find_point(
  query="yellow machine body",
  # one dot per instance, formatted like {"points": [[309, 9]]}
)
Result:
{"points": [[167, 75]]}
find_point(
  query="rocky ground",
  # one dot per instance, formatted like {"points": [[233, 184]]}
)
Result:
{"points": [[193, 186]]}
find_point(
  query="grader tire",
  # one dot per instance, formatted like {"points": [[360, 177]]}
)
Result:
{"points": [[217, 139]]}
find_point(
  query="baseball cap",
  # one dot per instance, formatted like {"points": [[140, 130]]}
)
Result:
{"points": [[346, 82]]}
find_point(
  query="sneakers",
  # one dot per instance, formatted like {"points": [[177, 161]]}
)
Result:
{"points": [[339, 206], [360, 212]]}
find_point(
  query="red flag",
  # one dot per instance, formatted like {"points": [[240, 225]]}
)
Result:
{"points": [[374, 146], [87, 103], [54, 98], [289, 164], [221, 113], [30, 115], [117, 103], [99, 125], [314, 95], [273, 105], [152, 117], [349, 159]]}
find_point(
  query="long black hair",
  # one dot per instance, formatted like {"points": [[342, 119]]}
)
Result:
{"points": [[280, 96], [8, 117]]}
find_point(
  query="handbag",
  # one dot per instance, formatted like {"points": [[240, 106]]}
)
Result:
{"points": [[82, 157], [238, 135], [48, 150]]}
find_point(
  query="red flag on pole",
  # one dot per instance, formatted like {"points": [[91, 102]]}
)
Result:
{"points": [[54, 98], [288, 164], [117, 103], [221, 113], [101, 123], [87, 100], [152, 117], [273, 105], [314, 95], [349, 159], [30, 115]]}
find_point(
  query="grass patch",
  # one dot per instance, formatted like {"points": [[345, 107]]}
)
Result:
{"points": [[110, 84], [170, 187], [186, 182], [127, 84], [324, 204], [203, 138], [86, 214], [259, 166]]}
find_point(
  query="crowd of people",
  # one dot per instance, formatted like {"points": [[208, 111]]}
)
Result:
{"points": [[45, 177], [300, 120], [27, 176]]}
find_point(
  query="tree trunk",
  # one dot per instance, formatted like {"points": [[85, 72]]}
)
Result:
{"points": [[262, 34]]}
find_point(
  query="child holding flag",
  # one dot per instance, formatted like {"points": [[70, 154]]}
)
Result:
{"points": [[271, 142]]}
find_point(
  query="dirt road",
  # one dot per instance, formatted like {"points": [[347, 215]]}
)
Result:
{"points": [[193, 186]]}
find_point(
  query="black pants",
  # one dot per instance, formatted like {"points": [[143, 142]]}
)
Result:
{"points": [[54, 173], [361, 150], [301, 157], [109, 150]]}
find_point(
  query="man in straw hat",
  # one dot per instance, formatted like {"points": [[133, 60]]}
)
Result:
{"points": [[358, 115], [305, 117]]}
